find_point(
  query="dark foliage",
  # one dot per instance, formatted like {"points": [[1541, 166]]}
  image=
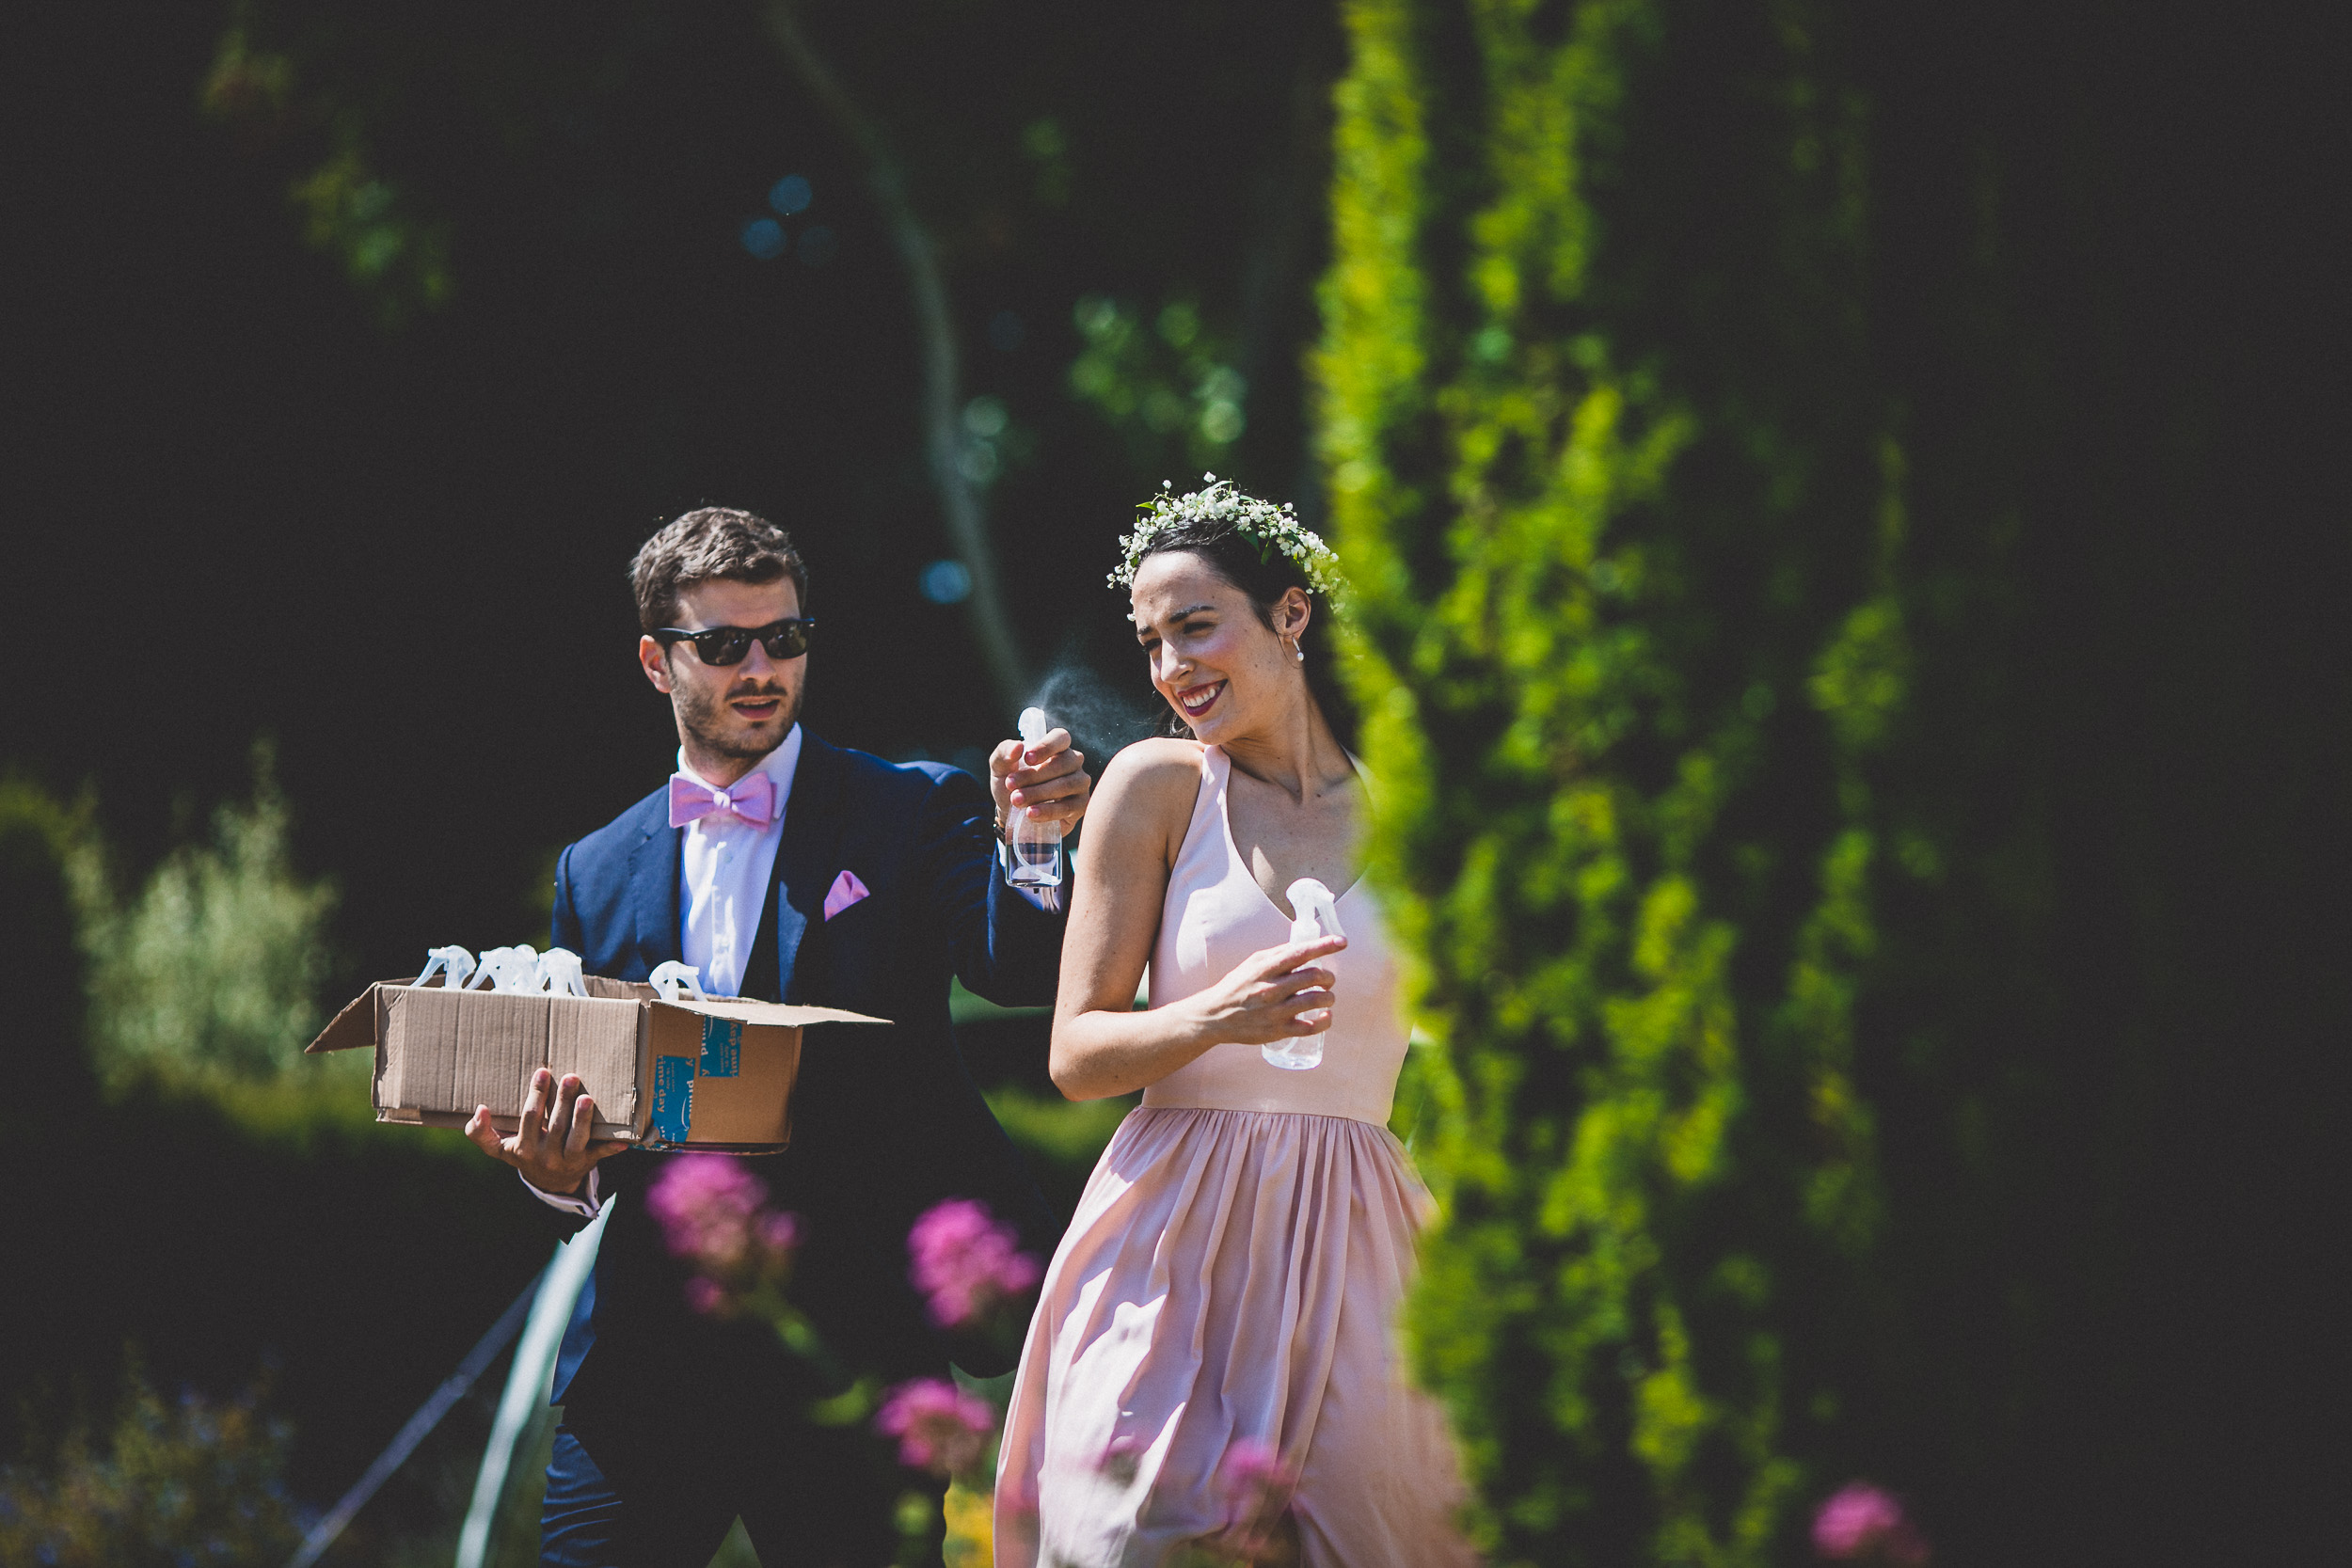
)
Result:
{"points": [[1849, 588]]}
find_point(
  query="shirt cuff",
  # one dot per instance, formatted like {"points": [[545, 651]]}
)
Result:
{"points": [[584, 1205], [1046, 898]]}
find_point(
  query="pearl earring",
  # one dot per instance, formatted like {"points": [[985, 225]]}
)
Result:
{"points": [[1296, 652]]}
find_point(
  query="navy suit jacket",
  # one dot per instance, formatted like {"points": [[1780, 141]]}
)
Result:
{"points": [[886, 1121]]}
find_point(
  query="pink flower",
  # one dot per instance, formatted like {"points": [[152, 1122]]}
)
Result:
{"points": [[1255, 1487], [779, 1232], [965, 1262], [707, 1204], [1016, 1518], [1121, 1457], [713, 1213], [1864, 1523], [940, 1427], [1016, 1494]]}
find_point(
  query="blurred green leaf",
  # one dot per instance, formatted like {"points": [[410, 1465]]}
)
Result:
{"points": [[210, 971], [1171, 391]]}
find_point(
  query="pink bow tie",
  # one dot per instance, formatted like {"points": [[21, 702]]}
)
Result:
{"points": [[750, 799]]}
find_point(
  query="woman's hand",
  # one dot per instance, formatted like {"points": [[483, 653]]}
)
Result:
{"points": [[1102, 1044], [1268, 996]]}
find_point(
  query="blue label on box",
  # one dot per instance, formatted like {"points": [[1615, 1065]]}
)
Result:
{"points": [[673, 1099], [723, 1047]]}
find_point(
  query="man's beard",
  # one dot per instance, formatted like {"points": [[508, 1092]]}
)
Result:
{"points": [[707, 719]]}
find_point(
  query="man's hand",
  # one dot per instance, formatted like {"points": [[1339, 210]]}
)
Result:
{"points": [[1048, 777], [552, 1148]]}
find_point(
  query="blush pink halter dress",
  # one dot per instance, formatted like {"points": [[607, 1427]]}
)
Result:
{"points": [[1232, 1276]]}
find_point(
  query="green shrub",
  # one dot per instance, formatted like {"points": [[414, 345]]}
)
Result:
{"points": [[1623, 519], [211, 973], [177, 1483]]}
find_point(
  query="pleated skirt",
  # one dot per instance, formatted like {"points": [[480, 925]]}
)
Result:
{"points": [[1232, 1279]]}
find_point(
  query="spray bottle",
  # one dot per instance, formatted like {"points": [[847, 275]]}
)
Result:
{"points": [[1314, 913], [1036, 845]]}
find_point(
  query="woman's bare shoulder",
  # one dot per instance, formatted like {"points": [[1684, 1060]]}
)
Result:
{"points": [[1152, 781], [1158, 761]]}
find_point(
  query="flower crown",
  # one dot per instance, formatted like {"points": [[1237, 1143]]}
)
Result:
{"points": [[1273, 527]]}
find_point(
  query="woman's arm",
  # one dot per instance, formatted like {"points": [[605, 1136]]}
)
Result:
{"points": [[1101, 1045]]}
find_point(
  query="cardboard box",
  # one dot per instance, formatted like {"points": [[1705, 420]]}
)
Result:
{"points": [[715, 1075]]}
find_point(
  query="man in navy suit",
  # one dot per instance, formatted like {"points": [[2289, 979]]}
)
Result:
{"points": [[784, 868]]}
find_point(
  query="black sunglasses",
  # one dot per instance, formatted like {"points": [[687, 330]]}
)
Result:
{"points": [[784, 639]]}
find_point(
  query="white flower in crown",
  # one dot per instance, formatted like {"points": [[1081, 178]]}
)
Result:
{"points": [[1273, 527]]}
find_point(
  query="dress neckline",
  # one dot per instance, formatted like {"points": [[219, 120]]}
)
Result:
{"points": [[1232, 846]]}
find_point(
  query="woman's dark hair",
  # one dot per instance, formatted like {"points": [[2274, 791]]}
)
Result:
{"points": [[1264, 574]]}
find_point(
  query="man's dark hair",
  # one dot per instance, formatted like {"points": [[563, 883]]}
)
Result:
{"points": [[712, 542]]}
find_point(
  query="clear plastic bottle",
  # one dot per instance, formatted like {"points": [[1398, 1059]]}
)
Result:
{"points": [[1035, 845], [1313, 913]]}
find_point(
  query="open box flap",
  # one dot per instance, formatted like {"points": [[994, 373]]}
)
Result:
{"points": [[354, 1027], [768, 1012]]}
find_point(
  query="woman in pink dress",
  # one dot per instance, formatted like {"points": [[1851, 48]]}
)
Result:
{"points": [[1212, 1375]]}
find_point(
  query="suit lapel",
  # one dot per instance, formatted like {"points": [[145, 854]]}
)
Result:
{"points": [[653, 878], [807, 858]]}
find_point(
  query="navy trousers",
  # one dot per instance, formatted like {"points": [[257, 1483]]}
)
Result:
{"points": [[653, 1497]]}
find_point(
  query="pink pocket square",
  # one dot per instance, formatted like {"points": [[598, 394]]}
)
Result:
{"points": [[847, 890]]}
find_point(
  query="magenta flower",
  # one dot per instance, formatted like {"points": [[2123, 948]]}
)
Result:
{"points": [[779, 1232], [713, 1213], [940, 1427], [1017, 1496], [706, 1205], [1121, 1457], [965, 1262], [1864, 1523], [1255, 1487]]}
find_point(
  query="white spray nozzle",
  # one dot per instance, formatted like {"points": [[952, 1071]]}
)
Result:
{"points": [[1033, 725], [513, 970], [667, 977], [455, 962], [1314, 912], [559, 967]]}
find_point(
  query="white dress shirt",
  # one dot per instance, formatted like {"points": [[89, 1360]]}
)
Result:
{"points": [[724, 866]]}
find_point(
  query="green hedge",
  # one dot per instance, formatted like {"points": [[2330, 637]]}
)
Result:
{"points": [[1851, 593], [1624, 516]]}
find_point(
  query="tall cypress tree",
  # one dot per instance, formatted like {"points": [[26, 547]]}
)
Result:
{"points": [[1625, 515], [1847, 627]]}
